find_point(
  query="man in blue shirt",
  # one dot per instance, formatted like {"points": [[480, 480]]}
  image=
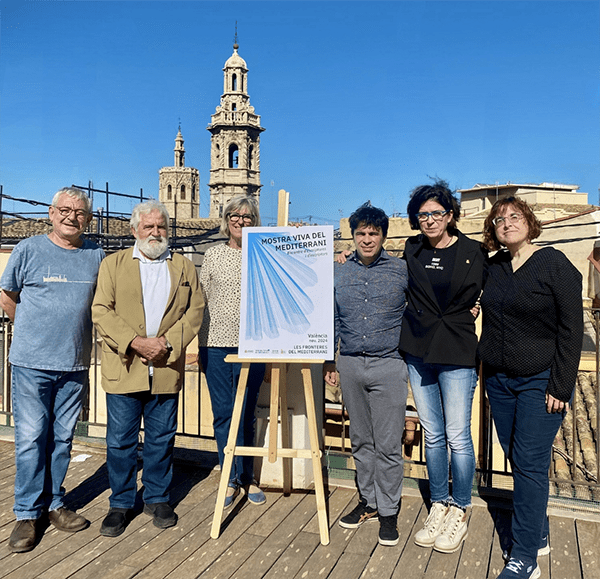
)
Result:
{"points": [[47, 291], [370, 296]]}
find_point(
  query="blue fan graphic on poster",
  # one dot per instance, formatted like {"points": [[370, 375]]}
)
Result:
{"points": [[287, 293]]}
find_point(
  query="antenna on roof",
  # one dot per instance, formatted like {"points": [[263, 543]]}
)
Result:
{"points": [[235, 38]]}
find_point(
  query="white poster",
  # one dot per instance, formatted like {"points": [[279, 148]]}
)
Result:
{"points": [[287, 293]]}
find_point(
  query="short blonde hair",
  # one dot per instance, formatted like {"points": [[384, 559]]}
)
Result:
{"points": [[234, 205]]}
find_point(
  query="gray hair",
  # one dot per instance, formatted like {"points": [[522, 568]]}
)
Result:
{"points": [[75, 194], [145, 208], [234, 205]]}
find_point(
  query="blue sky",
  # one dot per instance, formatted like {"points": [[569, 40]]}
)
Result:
{"points": [[360, 100]]}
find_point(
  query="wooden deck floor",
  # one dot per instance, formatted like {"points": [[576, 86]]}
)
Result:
{"points": [[278, 539]]}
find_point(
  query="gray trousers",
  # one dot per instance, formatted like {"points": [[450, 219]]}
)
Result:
{"points": [[375, 391]]}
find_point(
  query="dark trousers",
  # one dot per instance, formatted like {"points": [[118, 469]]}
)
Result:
{"points": [[222, 380], [526, 432]]}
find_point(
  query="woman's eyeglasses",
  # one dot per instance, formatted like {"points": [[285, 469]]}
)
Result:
{"points": [[435, 215], [246, 217], [512, 219]]}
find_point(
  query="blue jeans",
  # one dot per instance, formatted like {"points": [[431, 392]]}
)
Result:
{"points": [[444, 397], [526, 432], [46, 405], [124, 416], [222, 380]]}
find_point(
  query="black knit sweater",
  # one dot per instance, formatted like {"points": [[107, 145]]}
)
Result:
{"points": [[533, 318]]}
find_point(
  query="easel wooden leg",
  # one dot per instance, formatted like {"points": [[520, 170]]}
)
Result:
{"points": [[285, 432], [274, 411], [230, 450], [316, 454]]}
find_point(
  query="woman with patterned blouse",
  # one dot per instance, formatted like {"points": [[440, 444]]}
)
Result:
{"points": [[221, 281], [530, 347]]}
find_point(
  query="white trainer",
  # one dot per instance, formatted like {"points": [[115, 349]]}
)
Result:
{"points": [[454, 531], [433, 525]]}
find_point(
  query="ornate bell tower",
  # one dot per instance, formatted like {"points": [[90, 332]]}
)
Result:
{"points": [[235, 140], [179, 186]]}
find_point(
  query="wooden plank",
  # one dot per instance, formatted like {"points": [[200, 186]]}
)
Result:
{"points": [[336, 504], [442, 565], [475, 556], [414, 559], [225, 565], [349, 566], [323, 558], [203, 552], [500, 541], [55, 547], [259, 563], [186, 525], [564, 554], [281, 508], [293, 557], [125, 546], [365, 539], [588, 538], [383, 560]]}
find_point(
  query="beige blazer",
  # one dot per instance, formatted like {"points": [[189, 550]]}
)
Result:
{"points": [[118, 314]]}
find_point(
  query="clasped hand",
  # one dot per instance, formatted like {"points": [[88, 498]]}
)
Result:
{"points": [[150, 349]]}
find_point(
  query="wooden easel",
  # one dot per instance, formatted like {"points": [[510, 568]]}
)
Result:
{"points": [[278, 410]]}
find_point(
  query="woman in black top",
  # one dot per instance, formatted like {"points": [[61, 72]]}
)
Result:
{"points": [[445, 271], [530, 347]]}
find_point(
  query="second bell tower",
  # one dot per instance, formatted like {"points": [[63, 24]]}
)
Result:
{"points": [[235, 140]]}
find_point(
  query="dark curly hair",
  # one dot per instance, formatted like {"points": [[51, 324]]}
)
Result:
{"points": [[490, 241], [367, 215], [440, 191]]}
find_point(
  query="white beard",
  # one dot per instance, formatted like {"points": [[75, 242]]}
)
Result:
{"points": [[153, 247]]}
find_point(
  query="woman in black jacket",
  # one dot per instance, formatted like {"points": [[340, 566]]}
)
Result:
{"points": [[438, 338], [530, 348]]}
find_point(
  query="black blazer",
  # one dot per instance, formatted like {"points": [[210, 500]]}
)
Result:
{"points": [[436, 336]]}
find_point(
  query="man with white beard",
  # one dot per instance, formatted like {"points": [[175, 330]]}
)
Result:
{"points": [[148, 307]]}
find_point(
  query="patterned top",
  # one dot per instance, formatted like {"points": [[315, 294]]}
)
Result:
{"points": [[533, 318], [221, 282], [369, 303]]}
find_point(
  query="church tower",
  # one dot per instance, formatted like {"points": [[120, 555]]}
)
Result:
{"points": [[235, 140], [179, 186]]}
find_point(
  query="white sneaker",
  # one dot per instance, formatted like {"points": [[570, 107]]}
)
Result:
{"points": [[454, 531], [433, 525]]}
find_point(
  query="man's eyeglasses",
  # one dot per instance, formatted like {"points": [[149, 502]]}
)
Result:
{"points": [[512, 219], [66, 211], [435, 215], [246, 217]]}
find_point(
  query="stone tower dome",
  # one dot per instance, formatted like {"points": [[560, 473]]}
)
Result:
{"points": [[235, 140], [179, 186]]}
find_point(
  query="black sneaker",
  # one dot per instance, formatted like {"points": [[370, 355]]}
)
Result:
{"points": [[115, 522], [361, 514], [163, 515], [388, 530]]}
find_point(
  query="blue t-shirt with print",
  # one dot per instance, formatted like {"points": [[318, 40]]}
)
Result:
{"points": [[53, 324]]}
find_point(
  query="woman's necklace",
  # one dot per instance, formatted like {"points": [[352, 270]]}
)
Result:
{"points": [[445, 246]]}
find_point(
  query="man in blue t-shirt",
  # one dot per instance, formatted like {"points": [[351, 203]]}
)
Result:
{"points": [[47, 291]]}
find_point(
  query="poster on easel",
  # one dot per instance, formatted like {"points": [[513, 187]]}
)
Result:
{"points": [[287, 293]]}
